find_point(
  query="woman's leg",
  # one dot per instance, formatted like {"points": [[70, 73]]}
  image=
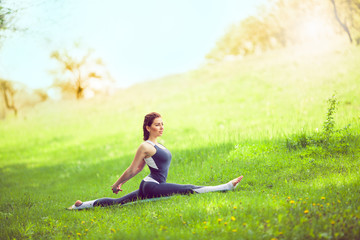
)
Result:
{"points": [[223, 187], [103, 202], [154, 190], [131, 197], [151, 189]]}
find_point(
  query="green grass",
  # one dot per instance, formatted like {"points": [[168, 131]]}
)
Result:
{"points": [[220, 121]]}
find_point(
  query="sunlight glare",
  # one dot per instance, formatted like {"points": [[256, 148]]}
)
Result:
{"points": [[313, 28]]}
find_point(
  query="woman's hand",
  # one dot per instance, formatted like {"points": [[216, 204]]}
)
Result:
{"points": [[116, 189]]}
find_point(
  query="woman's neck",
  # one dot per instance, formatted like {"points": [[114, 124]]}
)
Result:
{"points": [[153, 139]]}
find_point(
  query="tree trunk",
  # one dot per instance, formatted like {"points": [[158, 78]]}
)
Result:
{"points": [[7, 102], [343, 25], [79, 87]]}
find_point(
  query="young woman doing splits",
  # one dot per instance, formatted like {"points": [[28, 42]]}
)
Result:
{"points": [[158, 159]]}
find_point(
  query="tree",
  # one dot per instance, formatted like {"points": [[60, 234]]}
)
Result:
{"points": [[8, 93], [347, 15], [4, 21], [249, 36], [42, 94], [7, 90], [7, 21], [289, 22], [342, 24], [79, 71]]}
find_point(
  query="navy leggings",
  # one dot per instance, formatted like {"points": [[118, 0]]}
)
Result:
{"points": [[148, 190], [131, 197]]}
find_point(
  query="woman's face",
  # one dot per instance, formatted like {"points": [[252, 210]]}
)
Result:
{"points": [[157, 127]]}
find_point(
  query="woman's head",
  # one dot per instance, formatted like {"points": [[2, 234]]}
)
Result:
{"points": [[148, 122]]}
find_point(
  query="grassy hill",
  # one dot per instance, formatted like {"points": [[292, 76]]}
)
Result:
{"points": [[247, 117]]}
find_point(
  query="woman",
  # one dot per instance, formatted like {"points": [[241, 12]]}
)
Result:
{"points": [[158, 159]]}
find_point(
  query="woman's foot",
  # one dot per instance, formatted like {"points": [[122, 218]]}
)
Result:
{"points": [[78, 203], [236, 181]]}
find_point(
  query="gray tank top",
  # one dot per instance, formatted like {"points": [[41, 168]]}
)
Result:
{"points": [[158, 164]]}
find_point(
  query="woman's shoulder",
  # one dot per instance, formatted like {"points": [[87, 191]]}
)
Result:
{"points": [[146, 146]]}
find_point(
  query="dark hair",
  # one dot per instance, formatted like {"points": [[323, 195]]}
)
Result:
{"points": [[149, 119]]}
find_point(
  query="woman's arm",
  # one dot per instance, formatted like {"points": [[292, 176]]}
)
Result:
{"points": [[136, 166]]}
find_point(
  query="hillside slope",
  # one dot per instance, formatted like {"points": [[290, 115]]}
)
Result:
{"points": [[220, 121]]}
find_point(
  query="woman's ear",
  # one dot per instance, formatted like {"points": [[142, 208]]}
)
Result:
{"points": [[148, 128]]}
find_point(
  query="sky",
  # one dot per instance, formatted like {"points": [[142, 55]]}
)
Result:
{"points": [[137, 40]]}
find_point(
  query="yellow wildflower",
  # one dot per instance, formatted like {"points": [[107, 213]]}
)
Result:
{"points": [[235, 207], [306, 211], [79, 234], [332, 222], [82, 222], [233, 218], [86, 230], [322, 198], [113, 230], [219, 220], [292, 201], [234, 230]]}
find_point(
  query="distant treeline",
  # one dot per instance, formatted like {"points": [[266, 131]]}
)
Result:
{"points": [[288, 22]]}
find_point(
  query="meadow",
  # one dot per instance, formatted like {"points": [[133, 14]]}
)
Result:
{"points": [[266, 117]]}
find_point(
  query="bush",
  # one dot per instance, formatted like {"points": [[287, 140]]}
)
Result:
{"points": [[328, 141]]}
